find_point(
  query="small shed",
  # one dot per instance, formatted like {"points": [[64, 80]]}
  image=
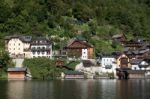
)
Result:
{"points": [[17, 73], [136, 73], [72, 75]]}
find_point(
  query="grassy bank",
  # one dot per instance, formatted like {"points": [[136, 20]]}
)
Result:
{"points": [[44, 68], [3, 74]]}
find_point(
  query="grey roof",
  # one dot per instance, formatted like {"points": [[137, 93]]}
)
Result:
{"points": [[117, 36], [144, 51], [26, 38], [40, 41], [16, 69], [129, 53], [22, 38], [136, 52], [126, 49], [73, 73], [135, 61]]}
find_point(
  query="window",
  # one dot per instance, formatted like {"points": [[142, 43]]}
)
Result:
{"points": [[19, 44], [43, 53], [33, 53], [43, 47], [38, 48], [48, 53], [18, 48], [33, 47], [38, 53]]}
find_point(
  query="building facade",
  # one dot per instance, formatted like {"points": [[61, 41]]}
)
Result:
{"points": [[79, 49], [108, 64], [18, 46], [41, 47], [28, 47]]}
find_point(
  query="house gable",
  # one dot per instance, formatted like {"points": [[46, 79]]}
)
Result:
{"points": [[79, 44]]}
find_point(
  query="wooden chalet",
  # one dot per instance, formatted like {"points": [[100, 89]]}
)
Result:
{"points": [[119, 38], [132, 45], [79, 49]]}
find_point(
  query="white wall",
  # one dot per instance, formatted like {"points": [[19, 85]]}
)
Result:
{"points": [[135, 67], [26, 45], [108, 61], [15, 46], [42, 54], [84, 54]]}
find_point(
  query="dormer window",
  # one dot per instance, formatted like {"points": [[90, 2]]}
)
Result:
{"points": [[41, 41]]}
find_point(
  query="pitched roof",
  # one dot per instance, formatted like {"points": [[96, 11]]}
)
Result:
{"points": [[22, 38], [74, 43], [40, 41], [73, 73], [118, 35], [16, 69], [135, 61]]}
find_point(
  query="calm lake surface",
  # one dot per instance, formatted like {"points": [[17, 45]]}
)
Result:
{"points": [[76, 89]]}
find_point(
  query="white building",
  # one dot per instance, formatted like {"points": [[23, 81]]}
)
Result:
{"points": [[18, 46], [41, 47], [27, 47], [108, 64]]}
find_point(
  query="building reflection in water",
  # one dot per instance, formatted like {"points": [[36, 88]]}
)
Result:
{"points": [[76, 89], [16, 90], [30, 90]]}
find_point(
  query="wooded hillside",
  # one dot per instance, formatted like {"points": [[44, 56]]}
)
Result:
{"points": [[95, 20]]}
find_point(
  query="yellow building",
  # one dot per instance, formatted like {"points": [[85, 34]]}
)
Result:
{"points": [[122, 61]]}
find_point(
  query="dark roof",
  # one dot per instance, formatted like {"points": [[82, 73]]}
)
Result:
{"points": [[135, 61], [126, 49], [129, 53], [26, 38], [87, 63], [22, 38], [123, 69], [40, 41], [16, 69], [73, 73], [136, 52], [136, 71], [143, 51]]}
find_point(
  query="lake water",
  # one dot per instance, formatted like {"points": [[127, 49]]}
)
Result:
{"points": [[76, 89]]}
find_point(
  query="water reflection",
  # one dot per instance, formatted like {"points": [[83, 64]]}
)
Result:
{"points": [[75, 89]]}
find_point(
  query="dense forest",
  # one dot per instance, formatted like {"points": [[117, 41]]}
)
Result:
{"points": [[95, 20]]}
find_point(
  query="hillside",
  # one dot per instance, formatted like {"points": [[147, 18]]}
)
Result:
{"points": [[95, 20]]}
